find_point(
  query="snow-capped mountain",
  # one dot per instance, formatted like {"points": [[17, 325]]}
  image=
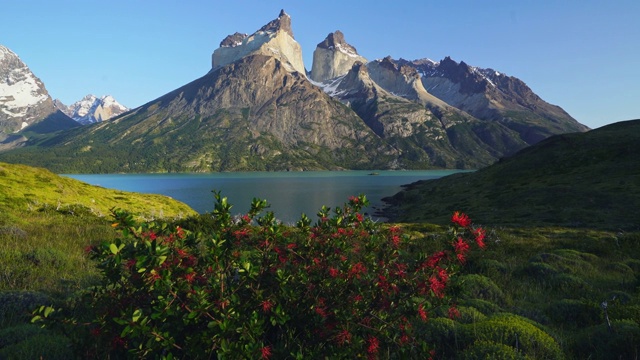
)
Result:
{"points": [[24, 100], [92, 109]]}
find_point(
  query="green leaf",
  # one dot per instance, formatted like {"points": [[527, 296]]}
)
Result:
{"points": [[113, 248], [136, 315]]}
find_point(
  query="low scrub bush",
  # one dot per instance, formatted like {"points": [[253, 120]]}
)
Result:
{"points": [[620, 341], [574, 313], [490, 350], [16, 306], [519, 333], [250, 287], [481, 287]]}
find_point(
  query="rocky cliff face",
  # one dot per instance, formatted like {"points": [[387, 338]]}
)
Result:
{"points": [[489, 95], [274, 39], [92, 109], [333, 57], [24, 100]]}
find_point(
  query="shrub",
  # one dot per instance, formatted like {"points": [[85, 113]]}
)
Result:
{"points": [[519, 333], [469, 315], [490, 350], [15, 334], [540, 271], [622, 341], [16, 306], [485, 307], [476, 286], [41, 346], [344, 287], [576, 313]]}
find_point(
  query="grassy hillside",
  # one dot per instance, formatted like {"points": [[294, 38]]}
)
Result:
{"points": [[47, 220], [24, 188], [587, 180]]}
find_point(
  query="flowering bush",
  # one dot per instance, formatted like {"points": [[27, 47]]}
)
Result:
{"points": [[251, 287]]}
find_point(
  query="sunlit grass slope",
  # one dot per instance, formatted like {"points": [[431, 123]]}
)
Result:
{"points": [[47, 220], [589, 180], [24, 188]]}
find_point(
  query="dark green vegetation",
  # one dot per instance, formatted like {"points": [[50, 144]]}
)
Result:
{"points": [[587, 180], [558, 278]]}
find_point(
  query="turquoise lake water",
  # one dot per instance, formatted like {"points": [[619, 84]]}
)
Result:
{"points": [[289, 193]]}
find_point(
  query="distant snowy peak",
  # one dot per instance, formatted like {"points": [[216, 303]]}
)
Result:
{"points": [[23, 97], [92, 109]]}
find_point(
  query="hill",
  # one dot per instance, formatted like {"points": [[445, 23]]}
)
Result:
{"points": [[24, 189], [589, 180]]}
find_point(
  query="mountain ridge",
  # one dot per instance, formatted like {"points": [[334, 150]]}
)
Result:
{"points": [[259, 109]]}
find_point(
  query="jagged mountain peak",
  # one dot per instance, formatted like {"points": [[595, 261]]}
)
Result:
{"points": [[24, 100], [91, 109], [333, 57], [283, 23], [335, 40], [274, 39]]}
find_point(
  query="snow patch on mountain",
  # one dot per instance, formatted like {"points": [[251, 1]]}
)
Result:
{"points": [[19, 88], [92, 109]]}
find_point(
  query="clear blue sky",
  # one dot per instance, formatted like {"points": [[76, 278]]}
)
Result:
{"points": [[581, 55]]}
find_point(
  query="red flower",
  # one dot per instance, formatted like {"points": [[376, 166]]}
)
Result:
{"points": [[460, 219], [453, 312], [434, 259], [180, 232], [359, 217], [480, 234], [374, 345], [437, 286], [190, 277], [333, 272], [422, 313], [118, 343], [395, 240], [357, 269], [266, 352], [343, 337], [266, 305]]}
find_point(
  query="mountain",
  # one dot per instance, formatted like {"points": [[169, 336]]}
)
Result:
{"points": [[253, 111], [333, 57], [24, 101], [92, 109], [259, 109], [588, 180], [274, 40], [492, 96]]}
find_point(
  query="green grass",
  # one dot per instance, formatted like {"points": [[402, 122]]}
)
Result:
{"points": [[585, 180]]}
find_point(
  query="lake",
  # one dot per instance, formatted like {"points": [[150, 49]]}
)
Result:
{"points": [[289, 193]]}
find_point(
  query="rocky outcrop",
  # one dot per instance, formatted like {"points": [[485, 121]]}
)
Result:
{"points": [[274, 39], [24, 100], [333, 57]]}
